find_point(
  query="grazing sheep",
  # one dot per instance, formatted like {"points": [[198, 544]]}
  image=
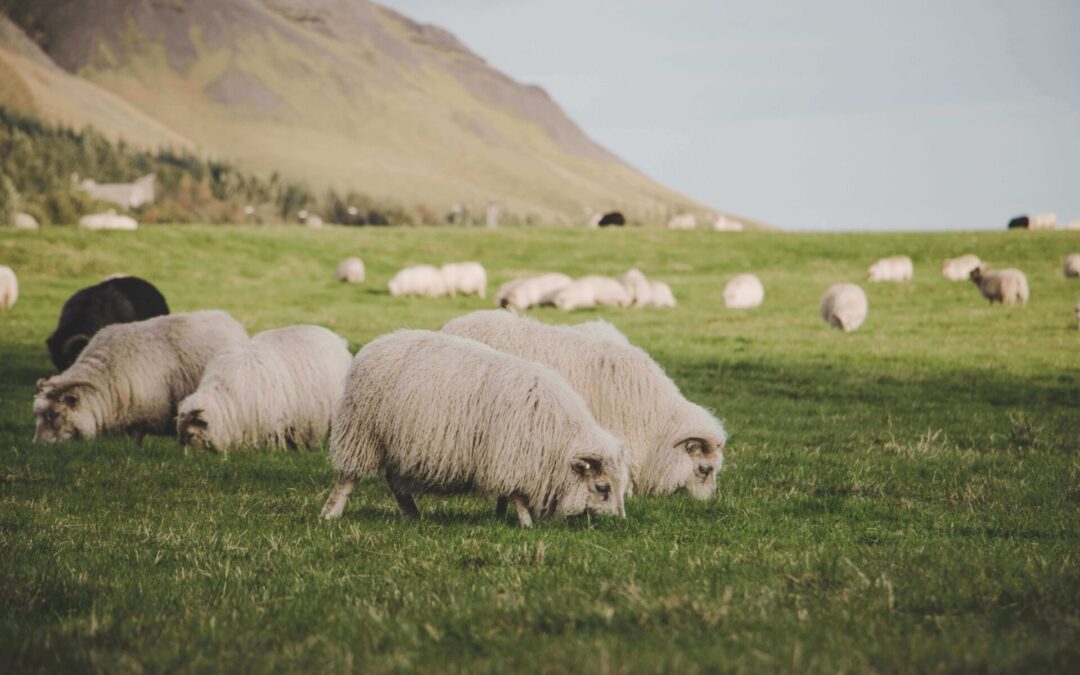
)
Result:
{"points": [[895, 268], [671, 442], [611, 219], [467, 278], [351, 270], [1072, 265], [959, 268], [844, 306], [313, 221], [278, 390], [637, 286], [1043, 221], [1007, 286], [1072, 225], [9, 288], [682, 221], [589, 291], [601, 330], [131, 376], [422, 281], [116, 300], [25, 221], [110, 220], [726, 224], [525, 293], [660, 295], [744, 292], [438, 413]]}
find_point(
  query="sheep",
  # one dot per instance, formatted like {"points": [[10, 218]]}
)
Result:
{"points": [[25, 221], [9, 288], [1043, 221], [612, 218], [437, 413], [467, 278], [110, 220], [601, 330], [682, 221], [660, 295], [844, 306], [1072, 265], [671, 443], [744, 292], [117, 300], [313, 221], [959, 268], [277, 390], [589, 291], [422, 281], [131, 376], [524, 293], [351, 270], [1072, 225], [723, 223], [1007, 286], [637, 286], [896, 268]]}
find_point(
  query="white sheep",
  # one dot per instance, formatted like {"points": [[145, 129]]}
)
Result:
{"points": [[723, 223], [844, 306], [744, 292], [895, 268], [313, 221], [601, 330], [422, 281], [9, 287], [436, 413], [525, 293], [1072, 225], [25, 221], [110, 220], [467, 278], [671, 443], [130, 376], [1043, 221], [660, 295], [682, 221], [1007, 286], [351, 270], [589, 291], [278, 390], [1072, 265], [637, 286], [959, 268]]}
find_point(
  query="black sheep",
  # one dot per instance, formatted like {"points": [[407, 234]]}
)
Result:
{"points": [[1019, 222], [613, 218], [118, 300]]}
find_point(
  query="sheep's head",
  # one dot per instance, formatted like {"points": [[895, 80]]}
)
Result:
{"points": [[64, 353], [706, 456], [192, 428], [62, 411], [689, 457], [979, 272], [596, 484]]}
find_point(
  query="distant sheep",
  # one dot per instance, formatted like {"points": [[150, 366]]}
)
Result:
{"points": [[589, 291], [1072, 265], [436, 413], [744, 292], [601, 330], [110, 220], [682, 221], [1072, 225], [959, 268], [671, 442], [525, 293], [9, 288], [277, 390], [844, 306], [660, 295], [612, 219], [725, 224], [1007, 286], [313, 221], [131, 376], [351, 270], [422, 281], [467, 278], [896, 268], [116, 300], [25, 221], [637, 286], [1043, 221]]}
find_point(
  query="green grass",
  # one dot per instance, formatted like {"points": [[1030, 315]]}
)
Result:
{"points": [[902, 499]]}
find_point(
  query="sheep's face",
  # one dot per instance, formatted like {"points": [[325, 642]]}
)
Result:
{"points": [[62, 412], [595, 486], [978, 273], [702, 458], [193, 430]]}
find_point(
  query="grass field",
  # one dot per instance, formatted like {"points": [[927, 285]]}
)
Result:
{"points": [[901, 499]]}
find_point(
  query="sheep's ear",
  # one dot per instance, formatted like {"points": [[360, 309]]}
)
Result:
{"points": [[41, 384], [585, 466], [195, 419], [74, 343], [70, 398]]}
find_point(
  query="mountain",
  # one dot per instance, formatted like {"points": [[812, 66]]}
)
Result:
{"points": [[340, 93]]}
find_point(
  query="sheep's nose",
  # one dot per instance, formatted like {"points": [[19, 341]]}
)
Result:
{"points": [[604, 489], [705, 470]]}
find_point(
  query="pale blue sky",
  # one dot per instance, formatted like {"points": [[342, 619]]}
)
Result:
{"points": [[834, 114]]}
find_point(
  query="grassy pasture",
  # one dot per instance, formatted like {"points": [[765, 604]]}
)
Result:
{"points": [[902, 499]]}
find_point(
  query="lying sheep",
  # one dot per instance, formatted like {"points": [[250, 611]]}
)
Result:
{"points": [[1007, 286], [660, 295], [278, 390], [637, 286], [131, 376], [116, 300], [671, 443], [959, 268], [844, 306], [467, 278], [351, 270], [589, 291], [896, 268], [25, 221], [422, 281], [525, 293], [682, 221], [9, 288], [110, 220], [601, 330], [744, 292], [442, 414], [1072, 265]]}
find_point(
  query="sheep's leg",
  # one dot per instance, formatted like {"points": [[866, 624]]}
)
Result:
{"points": [[407, 505], [524, 517], [137, 435], [335, 505], [500, 507]]}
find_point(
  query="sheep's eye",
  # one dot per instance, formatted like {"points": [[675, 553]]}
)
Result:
{"points": [[696, 446]]}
